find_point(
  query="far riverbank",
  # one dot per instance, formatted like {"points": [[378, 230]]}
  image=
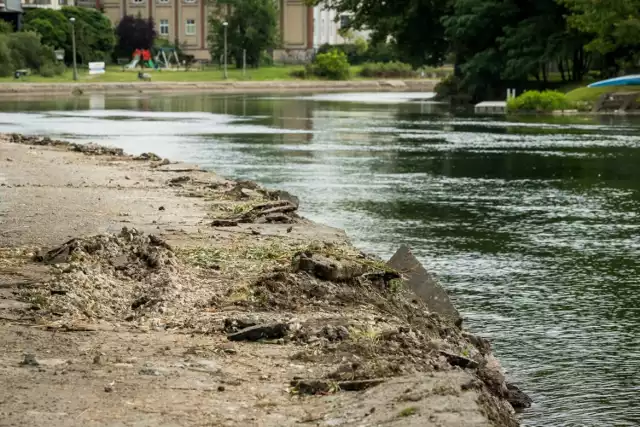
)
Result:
{"points": [[13, 89]]}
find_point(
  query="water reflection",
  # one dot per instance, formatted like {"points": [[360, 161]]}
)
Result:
{"points": [[531, 224]]}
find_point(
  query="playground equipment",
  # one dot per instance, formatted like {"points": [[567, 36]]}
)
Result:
{"points": [[167, 57], [141, 55]]}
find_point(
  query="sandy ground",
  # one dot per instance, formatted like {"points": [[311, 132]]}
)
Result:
{"points": [[24, 89], [175, 365]]}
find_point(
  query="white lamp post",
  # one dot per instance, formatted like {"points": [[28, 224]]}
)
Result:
{"points": [[73, 47], [225, 24]]}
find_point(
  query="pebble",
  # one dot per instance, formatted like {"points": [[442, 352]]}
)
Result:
{"points": [[221, 388], [109, 387], [29, 360]]}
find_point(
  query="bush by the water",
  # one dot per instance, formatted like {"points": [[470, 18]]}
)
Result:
{"points": [[24, 50], [388, 69], [332, 65], [546, 101], [355, 52]]}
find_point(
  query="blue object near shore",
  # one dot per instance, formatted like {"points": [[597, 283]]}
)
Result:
{"points": [[618, 81]]}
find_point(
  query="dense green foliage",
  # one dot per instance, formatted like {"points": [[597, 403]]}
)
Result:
{"points": [[252, 26], [496, 44], [332, 65], [5, 27], [387, 69], [95, 39], [24, 50], [134, 33], [535, 101]]}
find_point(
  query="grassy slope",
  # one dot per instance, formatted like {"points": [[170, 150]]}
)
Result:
{"points": [[115, 74], [590, 95]]}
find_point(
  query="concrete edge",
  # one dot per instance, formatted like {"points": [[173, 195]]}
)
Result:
{"points": [[13, 89]]}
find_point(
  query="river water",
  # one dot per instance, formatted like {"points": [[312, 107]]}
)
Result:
{"points": [[532, 226]]}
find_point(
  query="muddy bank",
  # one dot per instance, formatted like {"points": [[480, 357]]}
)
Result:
{"points": [[13, 89], [138, 290]]}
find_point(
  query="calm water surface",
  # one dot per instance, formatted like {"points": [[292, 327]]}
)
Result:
{"points": [[531, 225]]}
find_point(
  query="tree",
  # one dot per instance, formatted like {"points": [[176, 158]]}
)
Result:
{"points": [[5, 27], [615, 26], [541, 39], [252, 26], [94, 34], [414, 26], [134, 33]]}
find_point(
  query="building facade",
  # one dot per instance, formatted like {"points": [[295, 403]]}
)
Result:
{"points": [[46, 4], [11, 11], [327, 25], [186, 22]]}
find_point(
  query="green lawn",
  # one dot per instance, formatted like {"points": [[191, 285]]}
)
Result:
{"points": [[591, 95], [115, 74]]}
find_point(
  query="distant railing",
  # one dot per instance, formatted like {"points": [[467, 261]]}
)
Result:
{"points": [[36, 3]]}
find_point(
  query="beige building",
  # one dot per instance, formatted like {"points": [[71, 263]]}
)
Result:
{"points": [[186, 21]]}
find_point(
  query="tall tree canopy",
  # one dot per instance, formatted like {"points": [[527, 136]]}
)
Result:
{"points": [[415, 26], [252, 26], [94, 33], [134, 33]]}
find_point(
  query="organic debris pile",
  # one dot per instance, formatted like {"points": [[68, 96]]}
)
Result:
{"points": [[124, 276], [356, 317], [334, 307], [89, 149]]}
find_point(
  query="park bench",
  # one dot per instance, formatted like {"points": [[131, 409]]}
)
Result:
{"points": [[18, 74]]}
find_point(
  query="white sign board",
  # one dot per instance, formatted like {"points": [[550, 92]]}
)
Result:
{"points": [[96, 67]]}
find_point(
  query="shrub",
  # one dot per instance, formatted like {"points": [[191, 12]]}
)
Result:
{"points": [[59, 68], [48, 70], [5, 27], [534, 101], [355, 52], [382, 52], [299, 74], [6, 63], [332, 65], [389, 69]]}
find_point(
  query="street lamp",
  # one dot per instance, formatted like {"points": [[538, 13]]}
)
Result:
{"points": [[73, 47], [225, 24]]}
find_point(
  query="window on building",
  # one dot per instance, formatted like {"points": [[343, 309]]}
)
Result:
{"points": [[163, 1], [164, 27], [189, 1], [344, 21], [138, 1], [190, 28]]}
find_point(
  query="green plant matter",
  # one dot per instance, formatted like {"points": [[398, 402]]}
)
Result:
{"points": [[24, 50], [356, 53], [382, 52], [534, 101], [407, 412], [5, 27], [252, 26], [389, 69], [415, 26], [6, 65], [95, 39], [134, 33], [332, 65]]}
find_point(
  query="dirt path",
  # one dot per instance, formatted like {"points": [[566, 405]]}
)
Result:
{"points": [[217, 305]]}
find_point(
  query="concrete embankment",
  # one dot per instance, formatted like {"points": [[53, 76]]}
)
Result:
{"points": [[285, 86], [135, 290]]}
